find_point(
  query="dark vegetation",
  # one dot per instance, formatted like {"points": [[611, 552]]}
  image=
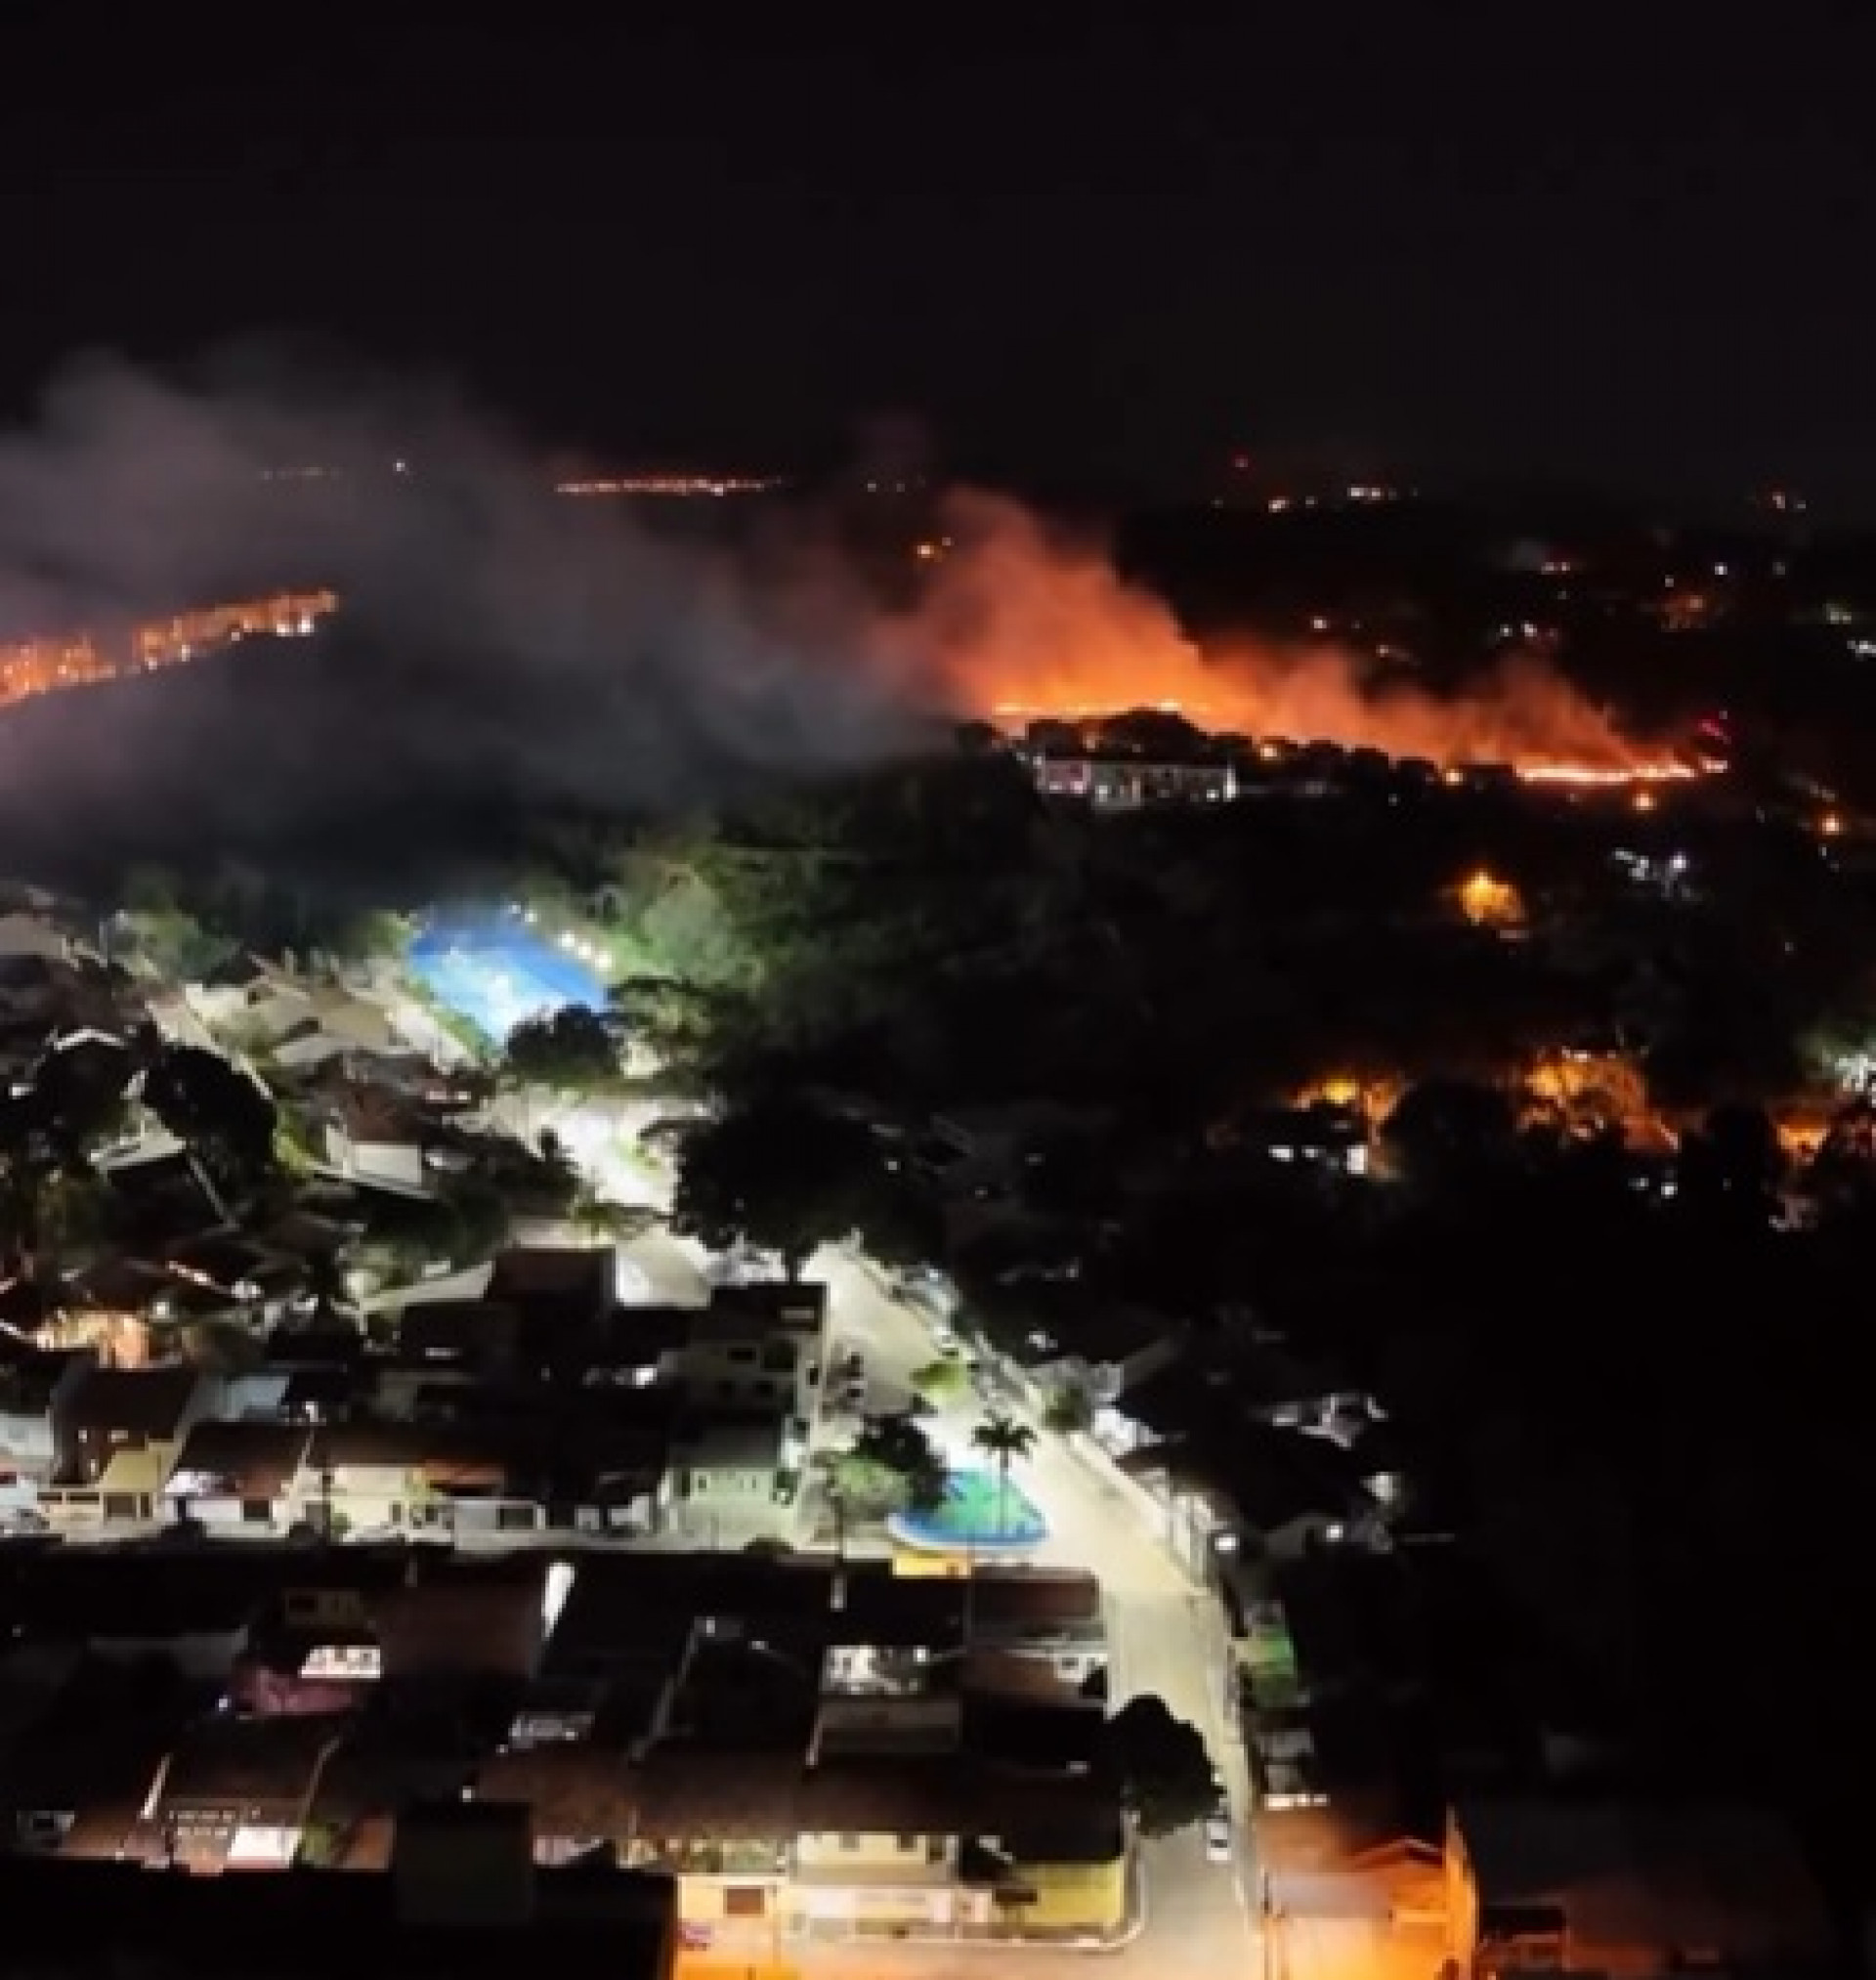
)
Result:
{"points": [[1639, 1407]]}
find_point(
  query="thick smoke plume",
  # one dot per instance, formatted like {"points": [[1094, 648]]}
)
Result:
{"points": [[1022, 619], [501, 644], [551, 646]]}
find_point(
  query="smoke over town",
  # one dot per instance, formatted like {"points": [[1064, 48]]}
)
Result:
{"points": [[497, 638], [1023, 619]]}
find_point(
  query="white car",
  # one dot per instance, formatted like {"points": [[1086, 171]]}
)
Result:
{"points": [[1218, 1838]]}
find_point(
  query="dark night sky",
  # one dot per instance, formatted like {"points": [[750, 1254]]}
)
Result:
{"points": [[1622, 242]]}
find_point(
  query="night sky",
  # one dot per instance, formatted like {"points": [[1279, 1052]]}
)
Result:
{"points": [[1115, 243]]}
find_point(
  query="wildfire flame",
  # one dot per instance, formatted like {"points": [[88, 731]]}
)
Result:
{"points": [[1024, 622]]}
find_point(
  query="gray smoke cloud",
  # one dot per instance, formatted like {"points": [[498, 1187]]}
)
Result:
{"points": [[491, 630]]}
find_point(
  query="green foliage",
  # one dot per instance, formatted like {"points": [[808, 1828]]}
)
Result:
{"points": [[80, 1098], [172, 944], [606, 1221], [223, 1117], [1159, 1765], [481, 1222], [779, 1174], [890, 1466], [942, 1381], [1070, 1410], [573, 1051], [366, 935]]}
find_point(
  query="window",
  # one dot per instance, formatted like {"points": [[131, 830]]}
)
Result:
{"points": [[745, 1901], [908, 1845], [850, 1843]]}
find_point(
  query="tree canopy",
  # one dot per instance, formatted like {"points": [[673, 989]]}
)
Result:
{"points": [[224, 1117], [780, 1174], [1161, 1767], [570, 1050]]}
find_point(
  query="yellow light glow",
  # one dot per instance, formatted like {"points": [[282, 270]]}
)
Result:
{"points": [[1486, 900]]}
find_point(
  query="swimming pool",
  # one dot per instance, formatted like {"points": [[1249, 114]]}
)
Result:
{"points": [[496, 971], [976, 1516]]}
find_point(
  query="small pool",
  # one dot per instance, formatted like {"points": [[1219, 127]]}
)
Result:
{"points": [[978, 1515], [494, 969]]}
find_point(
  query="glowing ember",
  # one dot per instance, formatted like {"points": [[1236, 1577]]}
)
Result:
{"points": [[1601, 776]]}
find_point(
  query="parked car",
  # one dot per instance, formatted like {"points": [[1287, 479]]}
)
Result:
{"points": [[1218, 1837]]}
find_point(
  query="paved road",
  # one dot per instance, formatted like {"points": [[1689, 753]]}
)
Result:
{"points": [[1165, 1636]]}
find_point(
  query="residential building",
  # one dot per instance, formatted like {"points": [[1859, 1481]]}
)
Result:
{"points": [[185, 1609], [1109, 1350], [1041, 1613], [459, 1894], [35, 935], [238, 1475], [1123, 782], [776, 1735], [1630, 1890], [564, 1297], [32, 1393], [795, 1306], [233, 1793], [375, 1135], [730, 1356], [942, 1845], [734, 1472], [118, 1431], [417, 1477]]}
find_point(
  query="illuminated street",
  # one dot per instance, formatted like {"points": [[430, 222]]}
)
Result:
{"points": [[1164, 1637]]}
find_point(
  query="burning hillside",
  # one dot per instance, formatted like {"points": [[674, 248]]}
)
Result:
{"points": [[1026, 624]]}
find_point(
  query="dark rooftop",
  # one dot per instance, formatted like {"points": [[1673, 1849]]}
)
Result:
{"points": [[241, 1460], [308, 1924], [147, 1402], [226, 1761]]}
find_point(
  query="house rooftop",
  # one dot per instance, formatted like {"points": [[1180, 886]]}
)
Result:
{"points": [[442, 1329], [1042, 1602], [98, 1747], [26, 1386], [230, 1762], [786, 1303], [1713, 1880], [241, 1460], [1041, 1738], [145, 1403], [746, 1441], [377, 1113], [140, 1593], [302, 1924], [573, 1788], [450, 1455], [464, 1621], [1350, 1616], [893, 1610], [683, 1793], [541, 1272]]}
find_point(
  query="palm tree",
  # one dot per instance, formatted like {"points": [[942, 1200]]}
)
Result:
{"points": [[1004, 1441]]}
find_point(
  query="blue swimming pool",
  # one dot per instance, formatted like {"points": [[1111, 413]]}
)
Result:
{"points": [[978, 1516], [494, 969]]}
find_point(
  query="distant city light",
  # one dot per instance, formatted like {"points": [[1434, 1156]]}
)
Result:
{"points": [[677, 487]]}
